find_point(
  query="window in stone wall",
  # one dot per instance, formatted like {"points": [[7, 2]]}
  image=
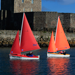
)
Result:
{"points": [[23, 9], [22, 1], [31, 9], [32, 1]]}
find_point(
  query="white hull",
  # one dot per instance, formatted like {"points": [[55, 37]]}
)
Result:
{"points": [[57, 55], [24, 58]]}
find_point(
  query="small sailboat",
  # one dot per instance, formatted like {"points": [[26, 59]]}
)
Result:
{"points": [[27, 42], [15, 52], [61, 42]]}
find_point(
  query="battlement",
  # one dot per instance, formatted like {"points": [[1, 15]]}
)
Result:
{"points": [[38, 20]]}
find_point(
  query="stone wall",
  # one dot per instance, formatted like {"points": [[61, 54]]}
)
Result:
{"points": [[27, 6], [7, 37], [17, 6], [51, 20], [72, 20], [48, 20], [38, 21]]}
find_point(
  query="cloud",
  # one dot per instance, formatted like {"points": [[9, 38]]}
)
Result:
{"points": [[66, 2]]}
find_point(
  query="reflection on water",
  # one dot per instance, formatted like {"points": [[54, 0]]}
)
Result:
{"points": [[45, 66], [23, 67], [58, 66]]}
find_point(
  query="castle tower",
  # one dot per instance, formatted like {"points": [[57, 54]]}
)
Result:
{"points": [[17, 6]]}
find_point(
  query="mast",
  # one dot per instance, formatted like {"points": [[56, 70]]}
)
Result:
{"points": [[21, 28], [56, 30]]}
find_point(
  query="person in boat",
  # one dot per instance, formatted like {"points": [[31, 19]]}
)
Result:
{"points": [[64, 52], [30, 54], [61, 52]]}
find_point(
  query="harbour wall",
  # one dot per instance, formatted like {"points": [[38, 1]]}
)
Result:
{"points": [[7, 37], [38, 21]]}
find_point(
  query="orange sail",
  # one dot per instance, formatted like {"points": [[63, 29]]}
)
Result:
{"points": [[60, 39], [28, 41], [16, 47], [52, 47]]}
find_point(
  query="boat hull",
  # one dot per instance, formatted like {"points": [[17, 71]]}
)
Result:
{"points": [[57, 55], [24, 57]]}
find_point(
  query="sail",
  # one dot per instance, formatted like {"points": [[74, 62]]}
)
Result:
{"points": [[52, 47], [60, 39], [16, 47], [28, 41]]}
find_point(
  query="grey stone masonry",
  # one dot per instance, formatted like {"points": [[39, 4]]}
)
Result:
{"points": [[7, 38], [17, 6], [72, 20], [51, 19], [38, 21]]}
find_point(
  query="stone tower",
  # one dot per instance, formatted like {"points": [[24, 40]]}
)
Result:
{"points": [[17, 6]]}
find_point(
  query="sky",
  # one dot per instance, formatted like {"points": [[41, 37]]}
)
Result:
{"points": [[0, 4], [60, 6]]}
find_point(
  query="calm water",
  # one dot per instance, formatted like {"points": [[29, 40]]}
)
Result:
{"points": [[45, 66]]}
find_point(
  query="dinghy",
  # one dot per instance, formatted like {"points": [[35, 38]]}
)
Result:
{"points": [[61, 42], [15, 52], [27, 42]]}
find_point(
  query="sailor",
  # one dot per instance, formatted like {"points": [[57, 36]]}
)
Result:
{"points": [[64, 52], [61, 52], [30, 54]]}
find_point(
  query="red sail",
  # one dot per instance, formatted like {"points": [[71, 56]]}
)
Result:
{"points": [[28, 41], [15, 47], [61, 40], [52, 47]]}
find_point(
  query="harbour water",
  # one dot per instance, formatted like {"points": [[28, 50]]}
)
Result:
{"points": [[44, 66]]}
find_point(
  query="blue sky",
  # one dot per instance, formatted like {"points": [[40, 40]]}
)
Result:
{"points": [[61, 6], [0, 4]]}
